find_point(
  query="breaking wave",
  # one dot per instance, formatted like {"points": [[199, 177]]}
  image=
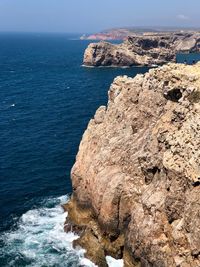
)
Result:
{"points": [[39, 240]]}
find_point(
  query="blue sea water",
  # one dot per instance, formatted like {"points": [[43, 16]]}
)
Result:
{"points": [[46, 101]]}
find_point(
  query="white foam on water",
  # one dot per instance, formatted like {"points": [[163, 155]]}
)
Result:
{"points": [[114, 263], [40, 241]]}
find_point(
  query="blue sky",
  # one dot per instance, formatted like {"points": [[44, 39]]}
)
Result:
{"points": [[94, 15]]}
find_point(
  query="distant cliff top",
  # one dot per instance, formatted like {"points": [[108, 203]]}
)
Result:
{"points": [[124, 32]]}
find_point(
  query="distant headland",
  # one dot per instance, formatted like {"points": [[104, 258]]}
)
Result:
{"points": [[123, 32], [142, 49]]}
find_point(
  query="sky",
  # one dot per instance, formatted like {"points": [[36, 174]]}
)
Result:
{"points": [[87, 16]]}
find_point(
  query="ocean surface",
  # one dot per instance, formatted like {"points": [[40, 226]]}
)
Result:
{"points": [[46, 101]]}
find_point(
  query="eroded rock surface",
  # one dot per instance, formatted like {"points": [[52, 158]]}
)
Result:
{"points": [[142, 50], [136, 179]]}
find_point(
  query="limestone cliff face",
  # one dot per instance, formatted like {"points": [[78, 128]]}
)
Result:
{"points": [[141, 50], [136, 179]]}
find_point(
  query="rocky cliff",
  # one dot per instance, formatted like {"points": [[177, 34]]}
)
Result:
{"points": [[141, 50], [136, 180]]}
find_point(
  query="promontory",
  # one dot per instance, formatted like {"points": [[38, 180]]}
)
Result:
{"points": [[136, 179], [144, 50]]}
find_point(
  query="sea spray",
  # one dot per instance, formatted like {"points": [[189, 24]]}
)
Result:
{"points": [[39, 240]]}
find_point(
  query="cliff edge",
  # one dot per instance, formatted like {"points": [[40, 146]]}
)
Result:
{"points": [[143, 50], [136, 180]]}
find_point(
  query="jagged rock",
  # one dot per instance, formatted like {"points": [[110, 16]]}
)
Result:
{"points": [[141, 50], [137, 172]]}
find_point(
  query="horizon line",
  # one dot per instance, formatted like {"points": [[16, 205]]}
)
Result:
{"points": [[111, 28]]}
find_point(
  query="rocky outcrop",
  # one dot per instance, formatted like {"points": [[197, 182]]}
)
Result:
{"points": [[141, 50], [136, 180]]}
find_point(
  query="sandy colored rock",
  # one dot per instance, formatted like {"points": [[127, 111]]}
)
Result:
{"points": [[141, 50], [137, 171], [96, 254]]}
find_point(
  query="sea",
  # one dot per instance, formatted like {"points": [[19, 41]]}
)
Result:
{"points": [[46, 101]]}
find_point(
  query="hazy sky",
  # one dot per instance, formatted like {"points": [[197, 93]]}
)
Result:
{"points": [[95, 15]]}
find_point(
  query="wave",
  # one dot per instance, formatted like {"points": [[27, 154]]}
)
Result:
{"points": [[40, 241]]}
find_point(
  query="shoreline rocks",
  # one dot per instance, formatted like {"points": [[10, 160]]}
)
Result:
{"points": [[93, 238], [136, 179], [144, 50]]}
